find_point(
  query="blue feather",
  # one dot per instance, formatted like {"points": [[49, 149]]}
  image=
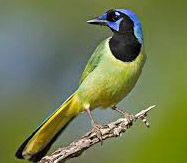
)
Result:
{"points": [[137, 23]]}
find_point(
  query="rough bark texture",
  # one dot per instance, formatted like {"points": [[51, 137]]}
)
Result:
{"points": [[113, 129]]}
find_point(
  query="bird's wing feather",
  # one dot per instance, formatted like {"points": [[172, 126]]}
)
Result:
{"points": [[93, 61]]}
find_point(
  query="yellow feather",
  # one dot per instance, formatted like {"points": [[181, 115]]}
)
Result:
{"points": [[52, 126]]}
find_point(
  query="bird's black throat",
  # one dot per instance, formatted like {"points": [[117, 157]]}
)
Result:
{"points": [[124, 45]]}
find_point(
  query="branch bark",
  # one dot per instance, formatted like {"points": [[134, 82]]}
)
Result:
{"points": [[113, 129]]}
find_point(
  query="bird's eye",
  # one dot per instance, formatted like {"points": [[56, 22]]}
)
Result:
{"points": [[113, 16]]}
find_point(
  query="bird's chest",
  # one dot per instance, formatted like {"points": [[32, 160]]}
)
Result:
{"points": [[117, 81], [110, 82]]}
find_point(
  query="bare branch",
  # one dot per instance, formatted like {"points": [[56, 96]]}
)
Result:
{"points": [[113, 129]]}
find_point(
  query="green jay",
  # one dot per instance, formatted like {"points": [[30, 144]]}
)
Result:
{"points": [[110, 74]]}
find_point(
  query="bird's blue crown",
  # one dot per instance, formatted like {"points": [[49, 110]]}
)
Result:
{"points": [[115, 23]]}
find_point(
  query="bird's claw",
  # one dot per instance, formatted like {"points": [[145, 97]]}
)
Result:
{"points": [[97, 129], [129, 116]]}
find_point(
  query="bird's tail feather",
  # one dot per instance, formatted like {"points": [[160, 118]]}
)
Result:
{"points": [[39, 142]]}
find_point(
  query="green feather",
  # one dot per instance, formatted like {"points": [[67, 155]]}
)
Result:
{"points": [[107, 80], [93, 61]]}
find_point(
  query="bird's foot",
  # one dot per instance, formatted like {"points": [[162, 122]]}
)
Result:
{"points": [[126, 115], [97, 129], [129, 117]]}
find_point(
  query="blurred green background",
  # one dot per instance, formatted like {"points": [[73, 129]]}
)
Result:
{"points": [[44, 46]]}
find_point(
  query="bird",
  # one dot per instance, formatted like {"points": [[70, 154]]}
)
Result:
{"points": [[110, 74]]}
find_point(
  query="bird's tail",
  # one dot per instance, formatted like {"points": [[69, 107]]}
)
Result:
{"points": [[39, 142]]}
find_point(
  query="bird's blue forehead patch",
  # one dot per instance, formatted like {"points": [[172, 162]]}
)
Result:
{"points": [[104, 17]]}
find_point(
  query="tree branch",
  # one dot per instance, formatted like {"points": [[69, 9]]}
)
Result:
{"points": [[113, 129]]}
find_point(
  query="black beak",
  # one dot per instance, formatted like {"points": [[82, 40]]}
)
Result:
{"points": [[97, 21]]}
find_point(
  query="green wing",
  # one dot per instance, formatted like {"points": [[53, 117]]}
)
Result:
{"points": [[93, 61]]}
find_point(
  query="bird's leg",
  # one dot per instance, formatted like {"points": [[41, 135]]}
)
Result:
{"points": [[95, 126], [125, 114]]}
